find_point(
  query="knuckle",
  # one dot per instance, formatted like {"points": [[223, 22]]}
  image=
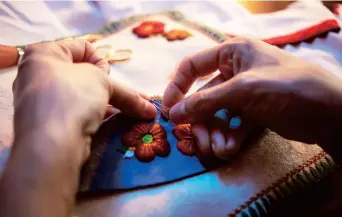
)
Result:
{"points": [[197, 102], [136, 98], [30, 70], [39, 47], [64, 50], [86, 43], [185, 63], [244, 44], [243, 39]]}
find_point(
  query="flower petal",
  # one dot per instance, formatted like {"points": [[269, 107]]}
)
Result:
{"points": [[130, 139], [142, 32], [176, 34], [157, 131], [187, 147], [144, 152], [141, 129], [161, 147], [182, 131]]}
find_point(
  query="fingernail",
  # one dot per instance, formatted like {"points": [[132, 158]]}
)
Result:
{"points": [[150, 110], [230, 143], [218, 143], [235, 122], [218, 139], [177, 113]]}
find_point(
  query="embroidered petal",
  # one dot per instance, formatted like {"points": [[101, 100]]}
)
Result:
{"points": [[141, 129], [144, 152], [161, 147], [148, 141], [133, 137], [142, 32], [157, 131], [176, 34], [130, 139], [182, 132], [148, 28], [187, 147]]}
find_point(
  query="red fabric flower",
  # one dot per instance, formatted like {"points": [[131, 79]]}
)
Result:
{"points": [[148, 28], [186, 143], [148, 140], [176, 34]]}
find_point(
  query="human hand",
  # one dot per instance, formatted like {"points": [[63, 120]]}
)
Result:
{"points": [[61, 95], [263, 85], [66, 84]]}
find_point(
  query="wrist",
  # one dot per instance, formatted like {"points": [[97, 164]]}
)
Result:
{"points": [[331, 142], [42, 174], [50, 144]]}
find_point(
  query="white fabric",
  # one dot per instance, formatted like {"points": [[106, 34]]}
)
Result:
{"points": [[27, 21], [154, 59]]}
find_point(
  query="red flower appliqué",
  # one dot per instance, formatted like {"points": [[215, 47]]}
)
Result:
{"points": [[148, 28], [149, 141], [186, 143], [176, 34]]}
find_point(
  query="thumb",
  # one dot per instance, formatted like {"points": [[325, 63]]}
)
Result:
{"points": [[130, 102], [234, 94]]}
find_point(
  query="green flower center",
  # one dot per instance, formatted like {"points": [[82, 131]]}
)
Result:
{"points": [[148, 138]]}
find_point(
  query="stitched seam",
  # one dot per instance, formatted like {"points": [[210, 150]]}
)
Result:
{"points": [[278, 183]]}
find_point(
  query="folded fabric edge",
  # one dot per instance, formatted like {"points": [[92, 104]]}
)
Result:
{"points": [[305, 175], [305, 34]]}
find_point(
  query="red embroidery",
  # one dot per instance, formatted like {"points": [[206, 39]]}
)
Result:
{"points": [[148, 28], [149, 141], [176, 34], [186, 143]]}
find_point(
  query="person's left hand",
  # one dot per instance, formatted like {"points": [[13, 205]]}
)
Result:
{"points": [[66, 85], [61, 95]]}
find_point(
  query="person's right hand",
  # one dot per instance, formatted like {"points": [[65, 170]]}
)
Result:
{"points": [[264, 85]]}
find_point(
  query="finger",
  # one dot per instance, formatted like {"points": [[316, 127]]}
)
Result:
{"points": [[144, 96], [189, 70], [226, 57], [110, 110], [213, 82], [235, 138], [130, 102], [218, 142], [82, 51], [201, 135], [231, 94]]}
